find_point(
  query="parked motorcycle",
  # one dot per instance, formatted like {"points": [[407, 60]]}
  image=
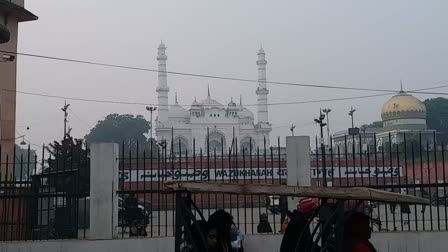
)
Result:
{"points": [[138, 228]]}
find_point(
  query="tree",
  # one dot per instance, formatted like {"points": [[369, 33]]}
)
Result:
{"points": [[68, 173], [68, 167], [437, 116], [126, 130]]}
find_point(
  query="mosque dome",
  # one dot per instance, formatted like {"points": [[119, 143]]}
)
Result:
{"points": [[177, 111], [404, 111], [246, 113], [209, 103]]}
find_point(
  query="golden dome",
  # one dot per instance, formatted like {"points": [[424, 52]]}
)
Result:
{"points": [[403, 103]]}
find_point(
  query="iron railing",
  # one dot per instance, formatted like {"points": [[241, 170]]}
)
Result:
{"points": [[143, 172], [44, 197], [402, 162]]}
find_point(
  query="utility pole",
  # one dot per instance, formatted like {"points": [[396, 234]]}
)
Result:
{"points": [[350, 113], [327, 111], [150, 109], [322, 124], [292, 129], [64, 109]]}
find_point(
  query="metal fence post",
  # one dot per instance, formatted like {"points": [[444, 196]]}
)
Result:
{"points": [[103, 191], [298, 163]]}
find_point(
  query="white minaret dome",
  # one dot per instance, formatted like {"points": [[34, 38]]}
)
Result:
{"points": [[261, 51], [162, 45]]}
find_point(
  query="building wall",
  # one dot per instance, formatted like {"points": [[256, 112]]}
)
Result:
{"points": [[8, 72]]}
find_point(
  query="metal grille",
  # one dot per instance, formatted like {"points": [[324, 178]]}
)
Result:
{"points": [[143, 172], [402, 162], [45, 198]]}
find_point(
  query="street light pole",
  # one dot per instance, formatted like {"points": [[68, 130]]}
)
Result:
{"points": [[350, 113], [292, 129], [150, 109], [327, 111], [322, 124], [64, 109]]}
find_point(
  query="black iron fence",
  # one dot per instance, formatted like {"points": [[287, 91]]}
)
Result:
{"points": [[402, 162], [44, 197], [142, 173]]}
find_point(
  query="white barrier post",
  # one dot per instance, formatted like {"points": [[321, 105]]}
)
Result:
{"points": [[298, 164], [103, 191]]}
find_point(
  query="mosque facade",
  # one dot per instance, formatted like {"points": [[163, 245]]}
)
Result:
{"points": [[208, 125]]}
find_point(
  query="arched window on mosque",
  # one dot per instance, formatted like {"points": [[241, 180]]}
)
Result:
{"points": [[246, 146], [215, 142], [180, 146], [215, 145]]}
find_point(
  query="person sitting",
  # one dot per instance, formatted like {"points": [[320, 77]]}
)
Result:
{"points": [[358, 233], [264, 227], [297, 227], [220, 225], [132, 212]]}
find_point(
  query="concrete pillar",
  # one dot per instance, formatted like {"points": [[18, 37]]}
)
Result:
{"points": [[103, 191], [298, 164]]}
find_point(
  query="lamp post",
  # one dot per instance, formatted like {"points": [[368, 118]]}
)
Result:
{"points": [[322, 124], [64, 109], [151, 109], [327, 111], [292, 129], [350, 113], [21, 143]]}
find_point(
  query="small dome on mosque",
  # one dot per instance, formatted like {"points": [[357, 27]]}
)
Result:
{"points": [[177, 111], [231, 103], [195, 104], [245, 113]]}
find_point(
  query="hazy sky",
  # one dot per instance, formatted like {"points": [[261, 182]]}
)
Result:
{"points": [[371, 44]]}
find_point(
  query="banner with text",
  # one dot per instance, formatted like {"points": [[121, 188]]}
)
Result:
{"points": [[217, 174], [358, 172]]}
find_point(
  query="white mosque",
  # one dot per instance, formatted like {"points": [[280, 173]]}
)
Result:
{"points": [[209, 121]]}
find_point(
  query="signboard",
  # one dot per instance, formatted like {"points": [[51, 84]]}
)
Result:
{"points": [[211, 174], [358, 172]]}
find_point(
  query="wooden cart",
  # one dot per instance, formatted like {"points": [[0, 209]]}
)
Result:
{"points": [[332, 216]]}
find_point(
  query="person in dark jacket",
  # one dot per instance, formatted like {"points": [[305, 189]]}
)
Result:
{"points": [[358, 234], [221, 222], [297, 227]]}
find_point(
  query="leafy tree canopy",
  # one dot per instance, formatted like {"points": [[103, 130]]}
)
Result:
{"points": [[68, 166], [126, 130], [437, 116]]}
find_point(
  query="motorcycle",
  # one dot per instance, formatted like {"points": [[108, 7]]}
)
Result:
{"points": [[137, 222], [137, 228]]}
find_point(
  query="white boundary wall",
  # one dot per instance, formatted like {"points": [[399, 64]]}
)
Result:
{"points": [[384, 242]]}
